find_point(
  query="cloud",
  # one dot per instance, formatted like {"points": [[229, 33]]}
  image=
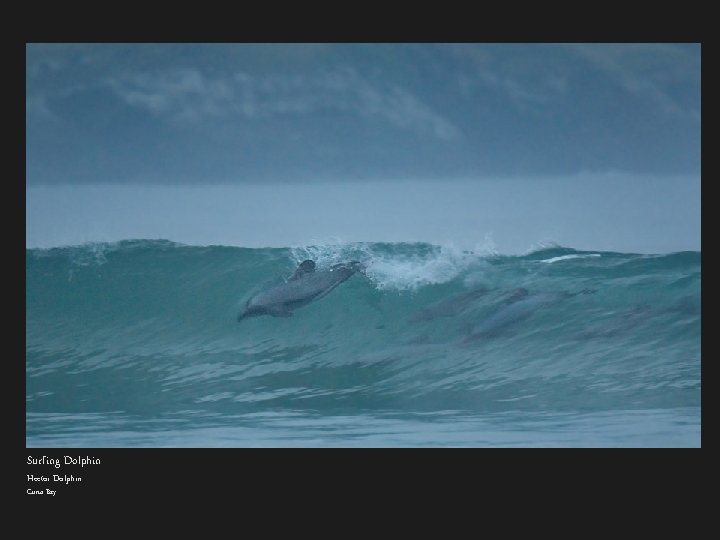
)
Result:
{"points": [[187, 95], [39, 101], [538, 75], [514, 89], [529, 78], [36, 107], [647, 71], [181, 94]]}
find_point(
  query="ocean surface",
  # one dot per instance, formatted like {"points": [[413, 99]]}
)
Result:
{"points": [[137, 344]]}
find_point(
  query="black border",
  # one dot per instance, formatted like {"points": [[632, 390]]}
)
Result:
{"points": [[621, 479]]}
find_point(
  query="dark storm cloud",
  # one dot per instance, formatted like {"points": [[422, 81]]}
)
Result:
{"points": [[234, 113]]}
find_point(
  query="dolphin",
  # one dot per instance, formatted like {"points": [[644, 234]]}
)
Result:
{"points": [[449, 307], [518, 307], [619, 323], [304, 286]]}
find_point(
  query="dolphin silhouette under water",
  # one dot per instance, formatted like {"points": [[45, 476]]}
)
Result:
{"points": [[303, 287], [518, 307], [449, 307]]}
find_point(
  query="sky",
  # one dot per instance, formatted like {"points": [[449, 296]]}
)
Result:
{"points": [[586, 145]]}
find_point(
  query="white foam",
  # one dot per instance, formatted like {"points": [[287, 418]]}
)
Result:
{"points": [[574, 256], [391, 271], [394, 268]]}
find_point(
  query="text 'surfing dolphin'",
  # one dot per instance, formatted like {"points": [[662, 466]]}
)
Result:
{"points": [[303, 287]]}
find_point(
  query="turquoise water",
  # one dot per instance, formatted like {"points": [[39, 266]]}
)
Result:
{"points": [[136, 344]]}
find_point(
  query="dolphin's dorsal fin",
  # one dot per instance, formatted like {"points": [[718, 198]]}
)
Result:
{"points": [[305, 267]]}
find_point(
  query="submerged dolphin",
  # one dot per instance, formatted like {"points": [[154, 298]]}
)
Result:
{"points": [[303, 287], [618, 324], [518, 307], [449, 307]]}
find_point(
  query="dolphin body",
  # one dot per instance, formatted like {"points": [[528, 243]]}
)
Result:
{"points": [[303, 287], [618, 325], [518, 307], [449, 307]]}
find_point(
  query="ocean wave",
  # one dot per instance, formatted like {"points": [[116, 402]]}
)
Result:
{"points": [[148, 327]]}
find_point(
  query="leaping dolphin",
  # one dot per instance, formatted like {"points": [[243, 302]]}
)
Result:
{"points": [[303, 287]]}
